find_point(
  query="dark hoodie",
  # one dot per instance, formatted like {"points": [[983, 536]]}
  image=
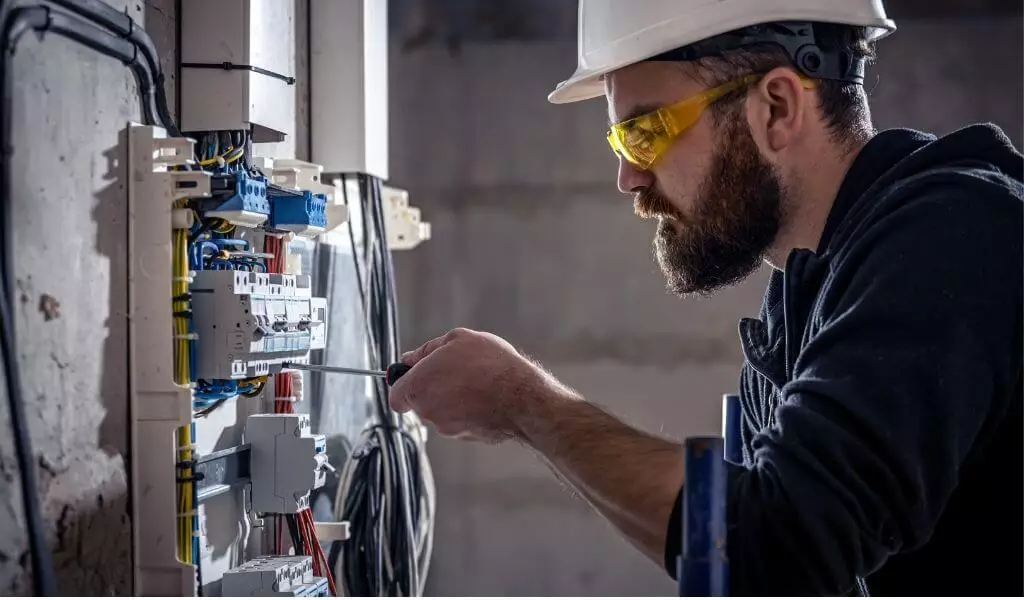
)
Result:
{"points": [[882, 422]]}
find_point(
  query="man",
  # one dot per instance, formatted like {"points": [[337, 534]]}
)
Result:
{"points": [[881, 390]]}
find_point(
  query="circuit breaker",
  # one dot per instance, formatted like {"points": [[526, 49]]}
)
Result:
{"points": [[287, 461], [274, 576], [247, 321]]}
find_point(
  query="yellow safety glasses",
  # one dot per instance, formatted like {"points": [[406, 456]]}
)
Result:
{"points": [[641, 140]]}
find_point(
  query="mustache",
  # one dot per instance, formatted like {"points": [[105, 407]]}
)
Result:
{"points": [[648, 204]]}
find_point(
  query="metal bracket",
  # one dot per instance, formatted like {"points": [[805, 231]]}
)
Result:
{"points": [[222, 471]]}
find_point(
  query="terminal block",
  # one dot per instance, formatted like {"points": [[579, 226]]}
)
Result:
{"points": [[274, 576], [247, 322], [290, 179], [302, 212], [238, 198], [287, 462]]}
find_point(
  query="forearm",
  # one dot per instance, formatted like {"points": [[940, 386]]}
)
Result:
{"points": [[630, 477]]}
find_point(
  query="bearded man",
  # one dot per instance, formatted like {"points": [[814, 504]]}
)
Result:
{"points": [[881, 391]]}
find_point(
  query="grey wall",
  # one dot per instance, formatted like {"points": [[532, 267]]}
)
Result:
{"points": [[531, 240], [70, 234]]}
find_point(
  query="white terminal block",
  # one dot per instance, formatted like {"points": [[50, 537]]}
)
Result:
{"points": [[274, 576], [287, 462], [402, 222], [246, 322]]}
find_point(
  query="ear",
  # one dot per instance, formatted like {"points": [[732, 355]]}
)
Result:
{"points": [[776, 109]]}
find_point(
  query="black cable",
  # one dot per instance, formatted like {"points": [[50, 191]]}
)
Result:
{"points": [[15, 23], [363, 563], [121, 24], [42, 561]]}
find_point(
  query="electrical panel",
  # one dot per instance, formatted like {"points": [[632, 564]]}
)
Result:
{"points": [[217, 306], [247, 322], [274, 576], [287, 462]]}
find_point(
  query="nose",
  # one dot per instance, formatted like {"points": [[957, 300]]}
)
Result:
{"points": [[631, 178]]}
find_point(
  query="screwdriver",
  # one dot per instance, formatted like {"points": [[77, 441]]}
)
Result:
{"points": [[394, 372]]}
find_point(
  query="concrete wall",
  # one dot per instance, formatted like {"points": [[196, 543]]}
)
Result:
{"points": [[70, 237], [532, 241]]}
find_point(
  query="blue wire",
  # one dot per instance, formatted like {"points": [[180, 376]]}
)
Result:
{"points": [[222, 242]]}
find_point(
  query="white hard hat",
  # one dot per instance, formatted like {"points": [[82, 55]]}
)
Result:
{"points": [[617, 33]]}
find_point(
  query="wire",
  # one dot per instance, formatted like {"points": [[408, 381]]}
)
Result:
{"points": [[386, 489], [15, 23]]}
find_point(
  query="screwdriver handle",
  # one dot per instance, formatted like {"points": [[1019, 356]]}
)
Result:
{"points": [[395, 372]]}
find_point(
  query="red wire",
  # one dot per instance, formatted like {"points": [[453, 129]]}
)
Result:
{"points": [[320, 566], [283, 389]]}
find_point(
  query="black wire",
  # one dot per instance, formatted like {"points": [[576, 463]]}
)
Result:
{"points": [[15, 23], [121, 24], [362, 563]]}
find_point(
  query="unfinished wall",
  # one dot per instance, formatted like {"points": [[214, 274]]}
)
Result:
{"points": [[531, 240], [70, 237]]}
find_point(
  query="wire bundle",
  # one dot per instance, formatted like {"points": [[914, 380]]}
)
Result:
{"points": [[274, 245], [386, 489], [311, 547], [187, 500], [181, 300]]}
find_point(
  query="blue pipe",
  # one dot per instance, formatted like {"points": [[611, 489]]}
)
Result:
{"points": [[704, 566], [731, 414]]}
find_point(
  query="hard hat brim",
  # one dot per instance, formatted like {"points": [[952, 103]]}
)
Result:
{"points": [[586, 84]]}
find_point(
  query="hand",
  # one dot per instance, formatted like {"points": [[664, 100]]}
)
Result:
{"points": [[471, 385]]}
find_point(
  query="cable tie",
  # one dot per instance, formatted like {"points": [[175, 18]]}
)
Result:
{"points": [[286, 399], [186, 336]]}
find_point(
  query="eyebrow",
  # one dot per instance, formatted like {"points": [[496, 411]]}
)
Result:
{"points": [[642, 109]]}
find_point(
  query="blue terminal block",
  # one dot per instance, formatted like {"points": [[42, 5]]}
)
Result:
{"points": [[248, 205], [300, 212]]}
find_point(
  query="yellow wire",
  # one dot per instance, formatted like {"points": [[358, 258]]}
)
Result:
{"points": [[184, 530], [237, 154], [213, 161], [231, 155]]}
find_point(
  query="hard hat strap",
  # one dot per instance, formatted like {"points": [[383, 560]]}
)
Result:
{"points": [[795, 37]]}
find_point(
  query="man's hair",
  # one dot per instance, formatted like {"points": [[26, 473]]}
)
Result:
{"points": [[844, 105]]}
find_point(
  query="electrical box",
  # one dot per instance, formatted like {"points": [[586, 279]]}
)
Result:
{"points": [[238, 67], [248, 321], [349, 85], [274, 576], [402, 222], [287, 462]]}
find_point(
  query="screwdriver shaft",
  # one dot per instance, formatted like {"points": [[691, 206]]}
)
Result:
{"points": [[323, 369]]}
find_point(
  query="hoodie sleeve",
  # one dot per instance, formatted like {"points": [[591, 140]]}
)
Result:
{"points": [[916, 352]]}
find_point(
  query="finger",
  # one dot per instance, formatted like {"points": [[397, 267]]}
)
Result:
{"points": [[414, 356]]}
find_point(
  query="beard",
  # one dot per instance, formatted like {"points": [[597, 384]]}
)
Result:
{"points": [[735, 218]]}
